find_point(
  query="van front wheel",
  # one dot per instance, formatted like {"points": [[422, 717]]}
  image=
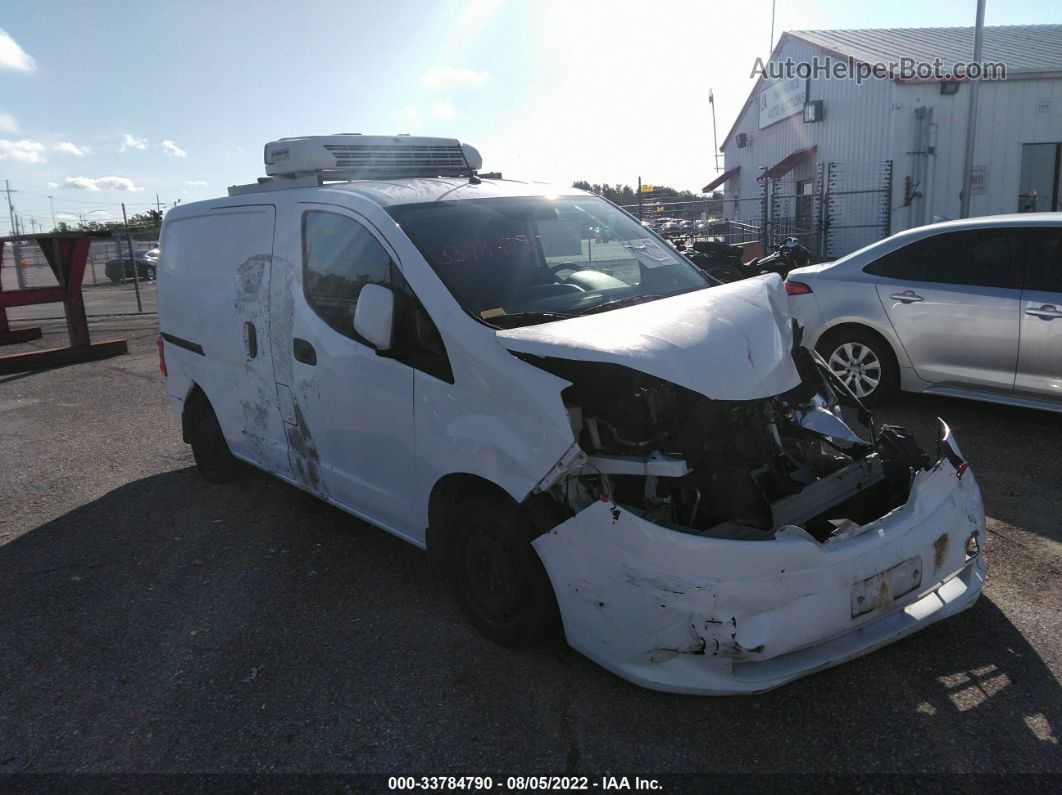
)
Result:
{"points": [[496, 574]]}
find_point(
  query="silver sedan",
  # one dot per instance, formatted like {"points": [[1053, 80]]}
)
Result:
{"points": [[967, 308]]}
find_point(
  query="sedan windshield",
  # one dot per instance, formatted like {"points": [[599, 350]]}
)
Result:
{"points": [[521, 261]]}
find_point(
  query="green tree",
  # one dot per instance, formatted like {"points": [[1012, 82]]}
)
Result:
{"points": [[626, 195]]}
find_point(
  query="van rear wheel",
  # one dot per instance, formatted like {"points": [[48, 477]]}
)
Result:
{"points": [[211, 452], [496, 574]]}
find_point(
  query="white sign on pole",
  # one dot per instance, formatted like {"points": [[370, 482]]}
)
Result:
{"points": [[780, 100], [978, 179]]}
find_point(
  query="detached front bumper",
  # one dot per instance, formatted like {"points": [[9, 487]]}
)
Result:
{"points": [[691, 614]]}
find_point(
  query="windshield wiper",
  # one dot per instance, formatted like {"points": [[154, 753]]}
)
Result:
{"points": [[616, 303], [514, 319]]}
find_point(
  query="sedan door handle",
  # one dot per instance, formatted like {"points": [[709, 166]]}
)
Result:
{"points": [[1046, 312], [303, 352], [907, 297]]}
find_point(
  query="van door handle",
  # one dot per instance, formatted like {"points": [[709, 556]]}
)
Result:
{"points": [[907, 297], [303, 351], [1046, 312], [250, 340]]}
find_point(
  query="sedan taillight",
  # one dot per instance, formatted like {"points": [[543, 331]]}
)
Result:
{"points": [[797, 288]]}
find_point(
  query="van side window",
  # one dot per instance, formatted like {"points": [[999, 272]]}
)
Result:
{"points": [[339, 257]]}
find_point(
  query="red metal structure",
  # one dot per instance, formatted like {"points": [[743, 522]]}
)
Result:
{"points": [[66, 253]]}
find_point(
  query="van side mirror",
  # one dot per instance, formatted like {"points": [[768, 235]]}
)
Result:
{"points": [[374, 315]]}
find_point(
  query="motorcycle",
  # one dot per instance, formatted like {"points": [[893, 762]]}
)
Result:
{"points": [[785, 257], [723, 262], [719, 260]]}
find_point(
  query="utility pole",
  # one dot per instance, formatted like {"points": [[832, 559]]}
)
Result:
{"points": [[639, 198], [132, 260], [16, 248], [10, 207], [52, 203], [158, 205], [971, 116]]}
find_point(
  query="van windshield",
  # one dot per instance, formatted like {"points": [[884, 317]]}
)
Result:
{"points": [[520, 261]]}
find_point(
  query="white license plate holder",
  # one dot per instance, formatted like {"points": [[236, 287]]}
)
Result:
{"points": [[884, 588]]}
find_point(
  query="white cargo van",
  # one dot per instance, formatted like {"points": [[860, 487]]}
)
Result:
{"points": [[583, 433]]}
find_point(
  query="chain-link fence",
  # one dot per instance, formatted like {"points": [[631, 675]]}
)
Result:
{"points": [[837, 210], [114, 283]]}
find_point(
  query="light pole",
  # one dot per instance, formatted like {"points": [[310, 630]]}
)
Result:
{"points": [[715, 136], [971, 116]]}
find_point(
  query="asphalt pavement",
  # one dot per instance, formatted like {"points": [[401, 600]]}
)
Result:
{"points": [[152, 622]]}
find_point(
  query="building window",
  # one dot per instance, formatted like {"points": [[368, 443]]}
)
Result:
{"points": [[1041, 181], [339, 257]]}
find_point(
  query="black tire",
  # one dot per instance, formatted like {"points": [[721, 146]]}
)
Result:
{"points": [[211, 452], [496, 574], [864, 361]]}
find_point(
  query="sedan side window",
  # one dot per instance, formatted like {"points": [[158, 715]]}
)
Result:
{"points": [[982, 257], [1043, 260], [339, 257], [907, 264]]}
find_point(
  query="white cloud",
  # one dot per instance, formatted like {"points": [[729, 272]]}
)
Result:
{"points": [[14, 57], [441, 77], [408, 113], [132, 142], [8, 123], [80, 183], [71, 149], [90, 184], [24, 151], [196, 183], [172, 149], [117, 183], [53, 184], [443, 109]]}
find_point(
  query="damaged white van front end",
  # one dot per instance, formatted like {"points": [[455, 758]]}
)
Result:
{"points": [[565, 412], [728, 532]]}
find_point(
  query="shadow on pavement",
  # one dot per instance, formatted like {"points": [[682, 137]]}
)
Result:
{"points": [[1014, 453], [172, 625]]}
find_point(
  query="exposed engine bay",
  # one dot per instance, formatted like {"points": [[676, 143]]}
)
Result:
{"points": [[741, 470]]}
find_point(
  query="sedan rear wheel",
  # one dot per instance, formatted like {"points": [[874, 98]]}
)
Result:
{"points": [[863, 362], [858, 366]]}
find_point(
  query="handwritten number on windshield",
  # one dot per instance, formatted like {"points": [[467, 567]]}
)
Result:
{"points": [[485, 250]]}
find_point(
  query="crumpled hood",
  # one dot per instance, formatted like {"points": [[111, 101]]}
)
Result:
{"points": [[731, 342]]}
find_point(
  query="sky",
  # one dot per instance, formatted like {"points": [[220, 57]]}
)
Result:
{"points": [[110, 102]]}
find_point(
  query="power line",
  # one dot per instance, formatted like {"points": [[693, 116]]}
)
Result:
{"points": [[93, 204]]}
